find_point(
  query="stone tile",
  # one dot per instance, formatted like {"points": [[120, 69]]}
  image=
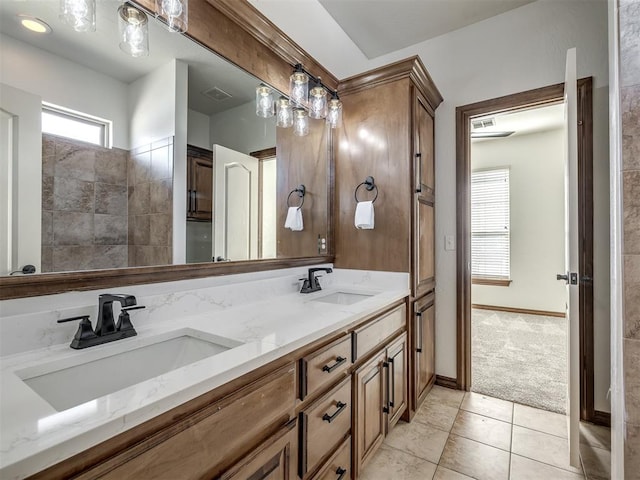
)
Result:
{"points": [[445, 396], [631, 229], [630, 110], [47, 192], [629, 43], [162, 163], [73, 195], [140, 168], [112, 256], [631, 188], [110, 230], [483, 429], [475, 459], [595, 435], [160, 229], [47, 228], [140, 229], [148, 256], [161, 196], [111, 166], [487, 406], [46, 259], [75, 160], [70, 228], [632, 449], [436, 415], [391, 463], [526, 469], [132, 256], [418, 439], [542, 447], [596, 462], [631, 273], [48, 153], [541, 420], [111, 199], [446, 474], [139, 199], [73, 258], [631, 356]]}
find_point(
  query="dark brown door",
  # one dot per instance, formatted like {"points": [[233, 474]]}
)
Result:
{"points": [[424, 332], [199, 184]]}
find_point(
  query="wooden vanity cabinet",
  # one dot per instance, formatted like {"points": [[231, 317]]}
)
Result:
{"points": [[199, 183], [424, 353]]}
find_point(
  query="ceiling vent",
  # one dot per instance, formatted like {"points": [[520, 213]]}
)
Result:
{"points": [[216, 94], [483, 123]]}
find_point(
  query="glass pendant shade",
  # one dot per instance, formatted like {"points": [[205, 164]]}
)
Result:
{"points": [[284, 113], [300, 122], [264, 102], [175, 12], [299, 88], [318, 102], [334, 115], [134, 31], [79, 14]]}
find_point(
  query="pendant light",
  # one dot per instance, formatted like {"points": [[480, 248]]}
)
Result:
{"points": [[300, 122], [134, 30], [318, 101], [175, 12], [299, 86], [264, 102], [334, 114], [79, 14], [284, 113]]}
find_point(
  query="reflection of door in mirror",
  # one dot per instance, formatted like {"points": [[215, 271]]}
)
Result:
{"points": [[21, 173]]}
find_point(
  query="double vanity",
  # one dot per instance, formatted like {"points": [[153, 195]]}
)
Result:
{"points": [[226, 376]]}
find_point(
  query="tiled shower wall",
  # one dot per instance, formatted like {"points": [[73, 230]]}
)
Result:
{"points": [[151, 204], [629, 18], [84, 206]]}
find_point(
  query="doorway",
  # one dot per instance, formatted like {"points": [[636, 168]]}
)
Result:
{"points": [[534, 98]]}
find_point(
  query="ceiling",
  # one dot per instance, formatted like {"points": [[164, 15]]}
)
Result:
{"points": [[383, 26], [99, 51], [524, 122]]}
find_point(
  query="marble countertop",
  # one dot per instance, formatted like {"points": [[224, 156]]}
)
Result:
{"points": [[35, 435]]}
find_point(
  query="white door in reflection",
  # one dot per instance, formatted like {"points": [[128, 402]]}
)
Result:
{"points": [[235, 208]]}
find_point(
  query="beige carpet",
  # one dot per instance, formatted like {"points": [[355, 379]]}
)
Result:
{"points": [[521, 358]]}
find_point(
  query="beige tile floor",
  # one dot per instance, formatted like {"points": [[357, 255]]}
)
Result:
{"points": [[460, 436]]}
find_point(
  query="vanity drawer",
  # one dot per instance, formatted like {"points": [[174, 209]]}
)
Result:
{"points": [[324, 366], [338, 467], [324, 426], [368, 337]]}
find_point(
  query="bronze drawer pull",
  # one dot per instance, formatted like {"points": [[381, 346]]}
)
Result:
{"points": [[330, 418], [339, 361], [341, 472]]}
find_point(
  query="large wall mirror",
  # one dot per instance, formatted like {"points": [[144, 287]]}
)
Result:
{"points": [[110, 161]]}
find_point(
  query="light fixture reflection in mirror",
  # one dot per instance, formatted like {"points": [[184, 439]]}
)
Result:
{"points": [[264, 102], [79, 14], [284, 113], [300, 122], [176, 13], [134, 31]]}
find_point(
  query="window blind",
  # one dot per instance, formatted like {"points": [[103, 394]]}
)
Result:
{"points": [[490, 256]]}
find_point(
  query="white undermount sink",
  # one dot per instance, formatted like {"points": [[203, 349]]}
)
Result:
{"points": [[342, 298], [64, 386]]}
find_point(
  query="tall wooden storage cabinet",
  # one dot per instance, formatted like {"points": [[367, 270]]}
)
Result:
{"points": [[388, 133]]}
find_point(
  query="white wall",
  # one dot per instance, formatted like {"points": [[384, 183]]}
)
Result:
{"points": [[240, 129], [519, 50], [67, 84], [198, 129], [536, 184]]}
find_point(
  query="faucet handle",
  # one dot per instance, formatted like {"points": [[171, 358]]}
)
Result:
{"points": [[71, 319]]}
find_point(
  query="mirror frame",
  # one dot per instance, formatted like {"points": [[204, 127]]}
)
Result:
{"points": [[244, 37]]}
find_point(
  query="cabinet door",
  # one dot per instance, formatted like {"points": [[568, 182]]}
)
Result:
{"points": [[424, 148], [424, 272], [369, 401], [273, 460], [397, 381], [424, 334], [199, 183]]}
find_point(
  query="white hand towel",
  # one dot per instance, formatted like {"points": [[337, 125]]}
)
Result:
{"points": [[294, 219], [365, 217]]}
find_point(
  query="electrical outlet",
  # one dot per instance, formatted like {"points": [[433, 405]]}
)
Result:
{"points": [[449, 242], [322, 245]]}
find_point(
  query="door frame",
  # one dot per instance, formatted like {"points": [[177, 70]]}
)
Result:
{"points": [[531, 98]]}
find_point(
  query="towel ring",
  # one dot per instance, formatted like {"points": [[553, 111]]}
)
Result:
{"points": [[369, 184], [301, 191]]}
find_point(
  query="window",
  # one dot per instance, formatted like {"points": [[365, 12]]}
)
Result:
{"points": [[75, 125], [490, 256]]}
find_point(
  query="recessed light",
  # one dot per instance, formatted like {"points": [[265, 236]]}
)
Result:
{"points": [[34, 24]]}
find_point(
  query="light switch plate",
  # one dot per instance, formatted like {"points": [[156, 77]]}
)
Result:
{"points": [[449, 242]]}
